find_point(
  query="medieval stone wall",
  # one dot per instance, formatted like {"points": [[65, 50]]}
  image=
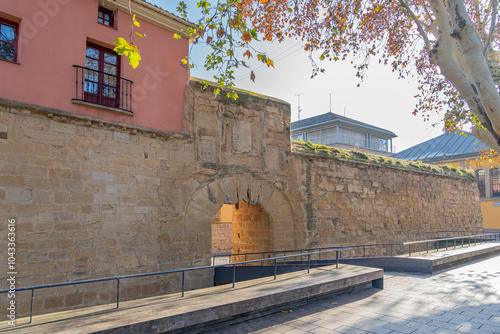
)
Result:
{"points": [[95, 199]]}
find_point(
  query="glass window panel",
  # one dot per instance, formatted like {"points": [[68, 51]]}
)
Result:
{"points": [[495, 182], [382, 144], [351, 137], [109, 92], [110, 58], [481, 182], [110, 69], [109, 80], [314, 137], [7, 51], [7, 33], [92, 63], [91, 75], [329, 136], [91, 87], [92, 52]]}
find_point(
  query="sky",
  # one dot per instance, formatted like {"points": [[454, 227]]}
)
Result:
{"points": [[382, 99]]}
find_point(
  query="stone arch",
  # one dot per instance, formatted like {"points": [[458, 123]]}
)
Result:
{"points": [[207, 200]]}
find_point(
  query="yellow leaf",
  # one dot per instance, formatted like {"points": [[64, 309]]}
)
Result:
{"points": [[269, 62], [177, 36], [140, 35], [137, 24]]}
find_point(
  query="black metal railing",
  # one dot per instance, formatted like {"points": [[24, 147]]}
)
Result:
{"points": [[182, 271], [102, 88], [391, 249]]}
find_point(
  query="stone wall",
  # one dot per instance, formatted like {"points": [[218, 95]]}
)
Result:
{"points": [[95, 199], [222, 237]]}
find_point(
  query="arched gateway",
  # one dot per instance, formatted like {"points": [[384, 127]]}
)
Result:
{"points": [[208, 200]]}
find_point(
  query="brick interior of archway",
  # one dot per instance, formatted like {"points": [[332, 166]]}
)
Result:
{"points": [[248, 229]]}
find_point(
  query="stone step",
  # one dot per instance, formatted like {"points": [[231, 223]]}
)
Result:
{"points": [[203, 309], [424, 262]]}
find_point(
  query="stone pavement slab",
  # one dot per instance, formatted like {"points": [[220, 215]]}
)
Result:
{"points": [[464, 299]]}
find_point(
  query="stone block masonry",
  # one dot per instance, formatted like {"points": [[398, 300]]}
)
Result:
{"points": [[97, 199]]}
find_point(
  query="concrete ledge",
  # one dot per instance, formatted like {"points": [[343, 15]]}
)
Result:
{"points": [[428, 262], [203, 309]]}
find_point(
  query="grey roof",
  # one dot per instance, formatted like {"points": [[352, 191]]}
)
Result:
{"points": [[444, 147], [330, 117]]}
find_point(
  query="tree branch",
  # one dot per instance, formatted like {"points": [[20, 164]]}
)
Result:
{"points": [[419, 25], [494, 5]]}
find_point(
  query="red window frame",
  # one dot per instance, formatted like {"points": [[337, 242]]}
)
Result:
{"points": [[110, 22], [103, 81], [16, 37]]}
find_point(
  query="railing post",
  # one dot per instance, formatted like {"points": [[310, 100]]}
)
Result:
{"points": [[446, 244], [31, 309], [391, 250], [76, 88], [455, 242], [183, 280], [308, 263], [337, 256], [427, 243], [246, 260], [117, 293], [409, 250], [234, 274], [364, 251], [275, 269], [284, 259]]}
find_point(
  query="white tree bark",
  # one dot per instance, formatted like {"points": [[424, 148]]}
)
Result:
{"points": [[459, 54]]}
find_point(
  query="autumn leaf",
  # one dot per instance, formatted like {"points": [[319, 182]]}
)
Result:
{"points": [[246, 37], [269, 62], [140, 35], [252, 76], [244, 64], [209, 39], [248, 54]]}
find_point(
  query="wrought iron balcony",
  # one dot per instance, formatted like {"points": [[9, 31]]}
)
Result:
{"points": [[101, 88]]}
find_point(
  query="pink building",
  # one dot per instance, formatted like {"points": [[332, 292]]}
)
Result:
{"points": [[59, 54]]}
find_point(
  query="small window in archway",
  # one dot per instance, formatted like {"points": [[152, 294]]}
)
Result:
{"points": [[481, 182], [495, 182]]}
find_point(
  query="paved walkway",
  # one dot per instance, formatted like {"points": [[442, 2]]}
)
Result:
{"points": [[465, 299]]}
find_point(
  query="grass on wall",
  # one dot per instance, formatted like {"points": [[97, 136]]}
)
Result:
{"points": [[361, 156]]}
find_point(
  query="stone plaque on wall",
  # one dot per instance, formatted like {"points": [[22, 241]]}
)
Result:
{"points": [[242, 136], [207, 149]]}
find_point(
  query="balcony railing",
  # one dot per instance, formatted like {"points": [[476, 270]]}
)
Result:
{"points": [[103, 89]]}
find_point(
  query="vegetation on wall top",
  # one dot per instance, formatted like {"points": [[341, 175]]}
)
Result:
{"points": [[362, 157]]}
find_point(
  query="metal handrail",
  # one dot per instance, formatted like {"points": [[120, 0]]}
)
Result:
{"points": [[496, 235], [481, 237], [183, 271]]}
